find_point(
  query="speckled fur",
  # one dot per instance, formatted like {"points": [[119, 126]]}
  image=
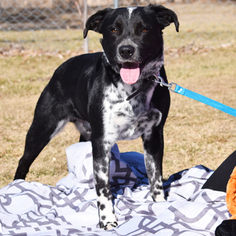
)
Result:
{"points": [[88, 91]]}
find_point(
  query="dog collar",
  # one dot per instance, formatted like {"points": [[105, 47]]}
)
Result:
{"points": [[140, 89]]}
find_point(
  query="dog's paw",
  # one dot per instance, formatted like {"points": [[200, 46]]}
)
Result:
{"points": [[110, 225], [158, 196]]}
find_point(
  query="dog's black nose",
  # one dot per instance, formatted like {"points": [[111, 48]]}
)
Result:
{"points": [[126, 51]]}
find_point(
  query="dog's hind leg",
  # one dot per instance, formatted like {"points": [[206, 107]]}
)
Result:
{"points": [[37, 138], [84, 129], [48, 121]]}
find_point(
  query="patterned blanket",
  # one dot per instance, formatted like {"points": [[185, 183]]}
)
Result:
{"points": [[69, 208]]}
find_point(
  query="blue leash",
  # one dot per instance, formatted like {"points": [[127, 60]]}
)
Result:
{"points": [[196, 96]]}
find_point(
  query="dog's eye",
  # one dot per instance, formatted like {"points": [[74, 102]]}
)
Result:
{"points": [[114, 30], [144, 30]]}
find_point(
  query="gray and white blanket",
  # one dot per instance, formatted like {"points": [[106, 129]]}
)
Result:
{"points": [[70, 208]]}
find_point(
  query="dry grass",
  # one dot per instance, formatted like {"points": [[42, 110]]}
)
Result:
{"points": [[201, 57]]}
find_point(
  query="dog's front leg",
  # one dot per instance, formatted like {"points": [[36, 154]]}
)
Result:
{"points": [[153, 153], [101, 164]]}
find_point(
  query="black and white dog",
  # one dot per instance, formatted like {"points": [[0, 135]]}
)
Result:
{"points": [[91, 91]]}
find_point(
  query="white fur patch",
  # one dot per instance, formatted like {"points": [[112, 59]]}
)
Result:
{"points": [[124, 120], [106, 211], [60, 126], [127, 120], [131, 9]]}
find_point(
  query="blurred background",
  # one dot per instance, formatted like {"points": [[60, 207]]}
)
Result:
{"points": [[36, 36]]}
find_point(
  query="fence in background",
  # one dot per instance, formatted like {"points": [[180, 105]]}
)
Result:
{"points": [[21, 15], [47, 14]]}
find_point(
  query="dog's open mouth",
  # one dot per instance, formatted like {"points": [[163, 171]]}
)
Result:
{"points": [[130, 72]]}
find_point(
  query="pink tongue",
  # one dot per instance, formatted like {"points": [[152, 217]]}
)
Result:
{"points": [[130, 73]]}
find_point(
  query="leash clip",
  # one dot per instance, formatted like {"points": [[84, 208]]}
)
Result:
{"points": [[162, 83]]}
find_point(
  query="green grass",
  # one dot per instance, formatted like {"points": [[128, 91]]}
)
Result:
{"points": [[59, 40], [201, 57]]}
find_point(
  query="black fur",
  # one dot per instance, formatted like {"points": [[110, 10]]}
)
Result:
{"points": [[88, 91]]}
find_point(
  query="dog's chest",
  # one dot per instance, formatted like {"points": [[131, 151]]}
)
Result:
{"points": [[126, 119]]}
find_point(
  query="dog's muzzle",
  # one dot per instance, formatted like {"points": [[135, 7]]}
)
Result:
{"points": [[130, 68]]}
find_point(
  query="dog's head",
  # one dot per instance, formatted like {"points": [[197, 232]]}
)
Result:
{"points": [[132, 38]]}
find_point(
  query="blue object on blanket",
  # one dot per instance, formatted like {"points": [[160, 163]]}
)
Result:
{"points": [[135, 161]]}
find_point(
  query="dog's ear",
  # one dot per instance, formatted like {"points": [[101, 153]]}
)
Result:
{"points": [[94, 21], [165, 16]]}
